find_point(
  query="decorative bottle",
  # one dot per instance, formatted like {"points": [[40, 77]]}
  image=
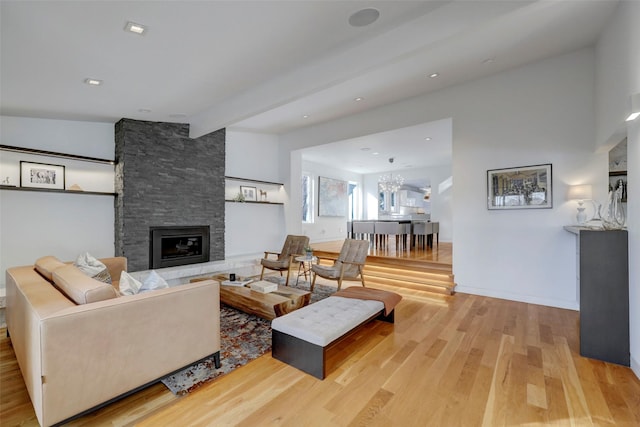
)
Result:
{"points": [[613, 217]]}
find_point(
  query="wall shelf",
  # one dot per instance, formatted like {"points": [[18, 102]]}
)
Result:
{"points": [[618, 173], [255, 203], [49, 190], [56, 154], [257, 181]]}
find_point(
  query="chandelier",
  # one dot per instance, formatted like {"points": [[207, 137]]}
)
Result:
{"points": [[391, 183]]}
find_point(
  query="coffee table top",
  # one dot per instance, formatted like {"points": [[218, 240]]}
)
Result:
{"points": [[270, 305]]}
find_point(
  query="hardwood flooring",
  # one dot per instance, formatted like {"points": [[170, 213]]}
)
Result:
{"points": [[459, 360]]}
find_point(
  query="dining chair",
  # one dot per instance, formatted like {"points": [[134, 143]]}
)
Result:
{"points": [[348, 266], [385, 229], [422, 233], [293, 246], [363, 230]]}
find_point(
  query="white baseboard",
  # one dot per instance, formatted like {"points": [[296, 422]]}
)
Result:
{"points": [[635, 366], [569, 305]]}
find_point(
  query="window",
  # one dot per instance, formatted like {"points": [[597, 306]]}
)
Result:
{"points": [[307, 198], [353, 205]]}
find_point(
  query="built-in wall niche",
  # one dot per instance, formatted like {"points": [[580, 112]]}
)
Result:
{"points": [[81, 173], [246, 190], [618, 168]]}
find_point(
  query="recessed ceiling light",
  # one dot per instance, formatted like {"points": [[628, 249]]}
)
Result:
{"points": [[375, 153], [306, 116], [135, 28], [93, 82], [144, 110], [358, 99], [364, 17], [432, 75], [428, 138]]}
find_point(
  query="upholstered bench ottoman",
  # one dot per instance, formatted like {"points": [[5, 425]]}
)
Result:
{"points": [[301, 338]]}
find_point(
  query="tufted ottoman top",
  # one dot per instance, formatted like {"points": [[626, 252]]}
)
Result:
{"points": [[326, 320]]}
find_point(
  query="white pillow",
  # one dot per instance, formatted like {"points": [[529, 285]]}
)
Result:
{"points": [[93, 267], [130, 286], [152, 282]]}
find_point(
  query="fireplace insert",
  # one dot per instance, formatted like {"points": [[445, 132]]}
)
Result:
{"points": [[178, 245]]}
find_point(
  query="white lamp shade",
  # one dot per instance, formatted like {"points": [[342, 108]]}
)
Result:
{"points": [[579, 192]]}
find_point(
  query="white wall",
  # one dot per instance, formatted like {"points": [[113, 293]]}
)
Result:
{"points": [[540, 113], [618, 77], [34, 224], [251, 229]]}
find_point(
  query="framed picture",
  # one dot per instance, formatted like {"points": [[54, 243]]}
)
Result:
{"points": [[41, 175], [249, 193], [332, 197], [525, 187]]}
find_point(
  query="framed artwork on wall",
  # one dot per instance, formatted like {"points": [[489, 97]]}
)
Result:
{"points": [[332, 197], [523, 187], [41, 175], [249, 193]]}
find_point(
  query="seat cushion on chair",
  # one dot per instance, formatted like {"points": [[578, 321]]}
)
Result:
{"points": [[326, 271], [275, 264]]}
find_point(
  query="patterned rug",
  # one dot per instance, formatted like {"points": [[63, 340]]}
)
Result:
{"points": [[243, 338]]}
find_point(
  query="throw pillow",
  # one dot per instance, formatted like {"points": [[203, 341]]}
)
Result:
{"points": [[128, 284], [93, 267], [152, 282]]}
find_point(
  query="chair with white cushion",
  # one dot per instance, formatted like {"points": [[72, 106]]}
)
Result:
{"points": [[348, 266], [293, 246]]}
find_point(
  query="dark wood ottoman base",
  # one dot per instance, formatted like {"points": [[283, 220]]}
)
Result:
{"points": [[308, 357]]}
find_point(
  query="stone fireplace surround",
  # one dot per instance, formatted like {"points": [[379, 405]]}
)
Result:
{"points": [[165, 178]]}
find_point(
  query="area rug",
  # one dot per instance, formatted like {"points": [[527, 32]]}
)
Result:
{"points": [[243, 338]]}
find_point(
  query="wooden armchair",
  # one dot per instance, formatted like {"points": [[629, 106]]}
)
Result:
{"points": [[293, 246], [348, 266]]}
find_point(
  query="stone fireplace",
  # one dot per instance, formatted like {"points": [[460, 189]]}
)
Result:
{"points": [[165, 179], [171, 246]]}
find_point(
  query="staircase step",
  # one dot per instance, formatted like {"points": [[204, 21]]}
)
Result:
{"points": [[400, 273], [447, 288]]}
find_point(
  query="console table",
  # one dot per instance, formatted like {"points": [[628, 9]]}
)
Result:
{"points": [[603, 279]]}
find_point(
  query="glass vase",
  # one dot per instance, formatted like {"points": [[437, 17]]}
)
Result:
{"points": [[613, 217]]}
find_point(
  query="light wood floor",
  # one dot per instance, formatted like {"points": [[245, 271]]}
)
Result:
{"points": [[462, 360]]}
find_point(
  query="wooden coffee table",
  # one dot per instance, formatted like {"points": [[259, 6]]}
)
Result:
{"points": [[267, 306]]}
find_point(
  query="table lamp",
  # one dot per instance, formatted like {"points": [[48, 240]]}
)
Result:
{"points": [[580, 193]]}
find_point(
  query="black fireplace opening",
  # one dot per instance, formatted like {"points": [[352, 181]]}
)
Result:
{"points": [[178, 245]]}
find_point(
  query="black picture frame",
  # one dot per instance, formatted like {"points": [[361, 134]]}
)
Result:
{"points": [[522, 187]]}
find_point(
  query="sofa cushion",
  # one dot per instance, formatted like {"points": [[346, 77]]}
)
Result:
{"points": [[80, 288], [47, 265], [93, 267]]}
